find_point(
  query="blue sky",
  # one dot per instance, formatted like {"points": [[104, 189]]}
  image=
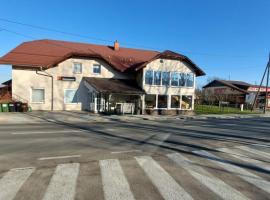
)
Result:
{"points": [[229, 38]]}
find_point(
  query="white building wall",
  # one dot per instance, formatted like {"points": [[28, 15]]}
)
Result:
{"points": [[169, 66], [24, 80]]}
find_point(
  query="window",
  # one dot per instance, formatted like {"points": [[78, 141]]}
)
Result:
{"points": [[175, 79], [175, 101], [186, 103], [96, 69], [77, 68], [38, 95], [149, 77], [162, 101], [150, 101], [165, 78], [70, 96], [190, 80], [182, 80], [157, 78]]}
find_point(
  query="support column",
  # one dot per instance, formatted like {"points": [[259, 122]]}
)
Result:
{"points": [[168, 102], [143, 103], [156, 101], [95, 105]]}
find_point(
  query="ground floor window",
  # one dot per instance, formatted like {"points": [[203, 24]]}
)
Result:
{"points": [[70, 96], [162, 101], [150, 101], [175, 101], [38, 95], [186, 102]]}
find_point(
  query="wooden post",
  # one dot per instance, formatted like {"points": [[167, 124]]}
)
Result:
{"points": [[267, 68], [267, 83]]}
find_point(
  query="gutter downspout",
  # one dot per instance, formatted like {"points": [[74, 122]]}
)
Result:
{"points": [[52, 93]]}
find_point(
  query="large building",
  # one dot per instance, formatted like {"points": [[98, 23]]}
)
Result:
{"points": [[235, 92], [60, 75]]}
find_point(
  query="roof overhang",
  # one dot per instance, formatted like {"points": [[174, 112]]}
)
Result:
{"points": [[174, 56], [114, 86]]}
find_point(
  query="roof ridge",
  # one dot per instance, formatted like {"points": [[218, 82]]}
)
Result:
{"points": [[84, 43]]}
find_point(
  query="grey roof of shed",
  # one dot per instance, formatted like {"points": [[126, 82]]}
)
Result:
{"points": [[114, 86], [232, 84]]}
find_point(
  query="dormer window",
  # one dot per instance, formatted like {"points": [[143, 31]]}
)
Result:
{"points": [[97, 69], [77, 68]]}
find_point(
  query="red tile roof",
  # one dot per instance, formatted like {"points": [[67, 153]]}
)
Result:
{"points": [[48, 53]]}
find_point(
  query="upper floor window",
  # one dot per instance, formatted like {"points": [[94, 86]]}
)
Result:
{"points": [[97, 69], [169, 78], [38, 95], [182, 79], [149, 77], [175, 79], [157, 78], [165, 78], [77, 68], [190, 80]]}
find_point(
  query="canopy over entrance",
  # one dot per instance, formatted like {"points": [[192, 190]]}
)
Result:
{"points": [[114, 86], [114, 95]]}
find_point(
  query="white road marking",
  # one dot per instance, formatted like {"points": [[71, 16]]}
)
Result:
{"points": [[59, 157], [244, 158], [255, 151], [115, 184], [45, 132], [222, 189], [129, 151], [63, 183], [208, 125], [167, 186], [12, 181], [51, 120], [238, 171], [156, 140]]}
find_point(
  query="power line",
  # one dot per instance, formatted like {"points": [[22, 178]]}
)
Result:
{"points": [[72, 48], [33, 38], [55, 30], [71, 34], [111, 41]]}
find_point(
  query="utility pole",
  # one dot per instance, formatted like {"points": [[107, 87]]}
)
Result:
{"points": [[266, 90], [267, 69]]}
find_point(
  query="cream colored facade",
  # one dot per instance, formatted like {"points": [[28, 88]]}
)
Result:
{"points": [[25, 80]]}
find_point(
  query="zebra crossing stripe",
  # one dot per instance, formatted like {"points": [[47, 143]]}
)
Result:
{"points": [[216, 185], [255, 151], [114, 182], [244, 158], [167, 186], [12, 181], [63, 183], [238, 171]]}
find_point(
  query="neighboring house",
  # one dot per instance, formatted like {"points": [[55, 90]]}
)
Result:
{"points": [[235, 92], [5, 91], [59, 75]]}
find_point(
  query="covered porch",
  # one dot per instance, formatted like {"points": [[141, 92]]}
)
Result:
{"points": [[113, 96]]}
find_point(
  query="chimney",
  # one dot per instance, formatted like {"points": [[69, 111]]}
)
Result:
{"points": [[116, 45]]}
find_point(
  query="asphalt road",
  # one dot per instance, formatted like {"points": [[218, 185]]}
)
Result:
{"points": [[140, 159]]}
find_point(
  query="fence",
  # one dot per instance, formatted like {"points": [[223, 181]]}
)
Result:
{"points": [[223, 108]]}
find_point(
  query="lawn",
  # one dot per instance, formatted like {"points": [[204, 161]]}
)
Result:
{"points": [[212, 109]]}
